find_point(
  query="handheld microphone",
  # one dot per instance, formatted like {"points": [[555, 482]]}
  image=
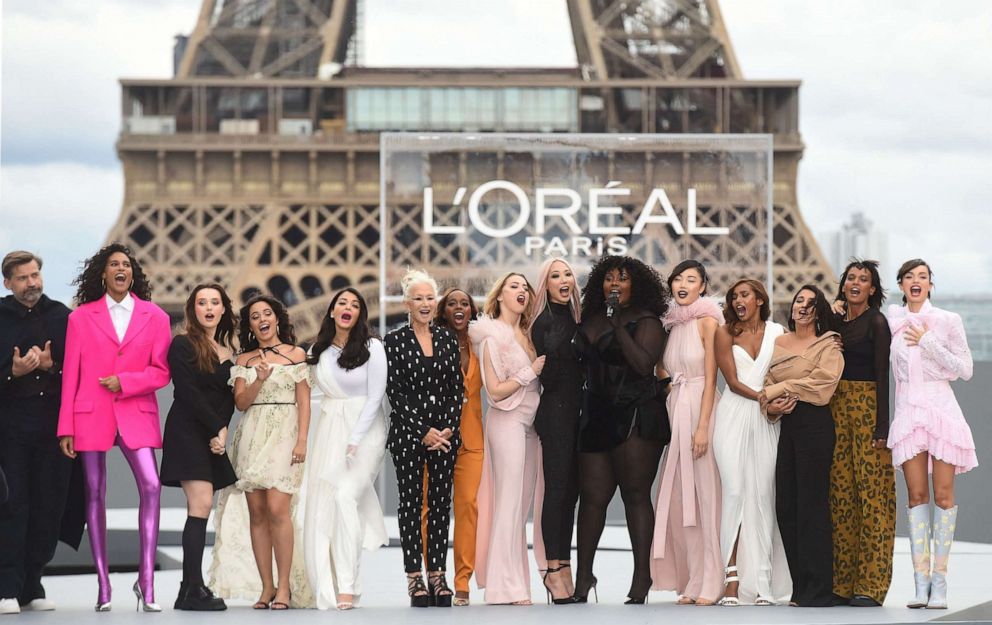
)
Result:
{"points": [[611, 302]]}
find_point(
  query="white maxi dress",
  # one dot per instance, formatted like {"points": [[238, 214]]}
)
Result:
{"points": [[342, 513], [745, 444]]}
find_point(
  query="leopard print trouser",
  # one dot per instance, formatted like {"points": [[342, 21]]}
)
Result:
{"points": [[862, 496]]}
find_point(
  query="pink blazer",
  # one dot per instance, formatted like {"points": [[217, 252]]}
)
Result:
{"points": [[89, 412]]}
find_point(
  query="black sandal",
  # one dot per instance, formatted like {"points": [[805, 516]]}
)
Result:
{"points": [[440, 594], [419, 595], [282, 605], [264, 605]]}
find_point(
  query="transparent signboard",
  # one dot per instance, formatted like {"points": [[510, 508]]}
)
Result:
{"points": [[469, 207]]}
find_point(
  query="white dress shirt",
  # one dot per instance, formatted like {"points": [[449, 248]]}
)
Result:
{"points": [[120, 313]]}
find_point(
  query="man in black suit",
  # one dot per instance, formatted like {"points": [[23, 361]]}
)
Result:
{"points": [[32, 344]]}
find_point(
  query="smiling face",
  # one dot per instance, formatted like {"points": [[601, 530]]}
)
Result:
{"points": [[117, 276], [857, 286], [688, 286], [25, 283], [803, 311], [745, 303], [263, 322], [915, 284], [347, 308], [515, 294], [561, 283], [457, 310], [618, 281], [421, 302], [209, 309]]}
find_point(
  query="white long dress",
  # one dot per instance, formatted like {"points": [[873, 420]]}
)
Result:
{"points": [[745, 444], [342, 510]]}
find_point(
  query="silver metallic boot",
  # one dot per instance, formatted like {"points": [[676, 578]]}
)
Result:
{"points": [[919, 547], [944, 522]]}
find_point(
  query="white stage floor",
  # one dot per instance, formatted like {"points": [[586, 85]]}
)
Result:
{"points": [[385, 601]]}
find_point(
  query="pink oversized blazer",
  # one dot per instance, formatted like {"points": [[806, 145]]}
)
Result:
{"points": [[92, 414]]}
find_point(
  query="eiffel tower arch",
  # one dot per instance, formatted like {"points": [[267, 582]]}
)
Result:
{"points": [[257, 164]]}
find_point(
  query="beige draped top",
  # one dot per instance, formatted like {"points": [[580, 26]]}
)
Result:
{"points": [[812, 375]]}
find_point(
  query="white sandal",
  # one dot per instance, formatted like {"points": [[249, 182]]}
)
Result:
{"points": [[731, 573]]}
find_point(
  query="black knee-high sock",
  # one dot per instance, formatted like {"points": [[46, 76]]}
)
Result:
{"points": [[194, 539]]}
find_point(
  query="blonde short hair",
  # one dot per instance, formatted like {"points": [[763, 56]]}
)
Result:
{"points": [[413, 277]]}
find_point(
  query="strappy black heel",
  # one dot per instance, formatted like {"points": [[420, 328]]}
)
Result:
{"points": [[419, 595], [584, 597], [551, 598], [440, 594]]}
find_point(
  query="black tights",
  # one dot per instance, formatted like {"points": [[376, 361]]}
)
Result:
{"points": [[633, 466]]}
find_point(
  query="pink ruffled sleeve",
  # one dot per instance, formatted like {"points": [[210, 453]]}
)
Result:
{"points": [[490, 352], [951, 352]]}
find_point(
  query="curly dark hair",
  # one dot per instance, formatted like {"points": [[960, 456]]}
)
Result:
{"points": [[824, 319], [876, 299], [89, 282], [356, 350], [247, 338], [648, 291]]}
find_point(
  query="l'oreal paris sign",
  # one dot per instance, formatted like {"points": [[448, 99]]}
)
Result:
{"points": [[594, 239]]}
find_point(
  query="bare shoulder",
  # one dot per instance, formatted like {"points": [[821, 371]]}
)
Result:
{"points": [[297, 354], [245, 358], [708, 325], [723, 336]]}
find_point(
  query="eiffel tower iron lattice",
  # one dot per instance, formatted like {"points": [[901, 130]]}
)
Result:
{"points": [[257, 165]]}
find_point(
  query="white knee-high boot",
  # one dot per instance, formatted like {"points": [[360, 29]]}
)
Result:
{"points": [[919, 546], [944, 522]]}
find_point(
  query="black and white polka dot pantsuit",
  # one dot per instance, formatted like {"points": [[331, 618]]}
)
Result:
{"points": [[440, 467], [424, 392]]}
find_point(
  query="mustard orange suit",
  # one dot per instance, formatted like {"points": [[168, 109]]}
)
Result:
{"points": [[468, 473]]}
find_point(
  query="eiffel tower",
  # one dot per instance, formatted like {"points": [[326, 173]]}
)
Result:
{"points": [[257, 164]]}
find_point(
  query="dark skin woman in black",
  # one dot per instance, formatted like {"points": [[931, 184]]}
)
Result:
{"points": [[624, 426]]}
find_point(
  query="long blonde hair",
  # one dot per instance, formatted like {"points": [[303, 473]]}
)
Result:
{"points": [[492, 307], [541, 297]]}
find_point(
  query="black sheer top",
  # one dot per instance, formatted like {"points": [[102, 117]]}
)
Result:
{"points": [[621, 395], [563, 372], [866, 359]]}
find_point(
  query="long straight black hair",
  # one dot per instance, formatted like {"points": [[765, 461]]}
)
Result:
{"points": [[356, 351]]}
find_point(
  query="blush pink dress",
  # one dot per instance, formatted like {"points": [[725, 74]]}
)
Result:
{"points": [[686, 554], [511, 469], [927, 416]]}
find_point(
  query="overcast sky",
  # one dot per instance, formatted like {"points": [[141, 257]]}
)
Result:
{"points": [[894, 107]]}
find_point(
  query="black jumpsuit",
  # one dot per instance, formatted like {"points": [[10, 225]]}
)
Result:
{"points": [[557, 424]]}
